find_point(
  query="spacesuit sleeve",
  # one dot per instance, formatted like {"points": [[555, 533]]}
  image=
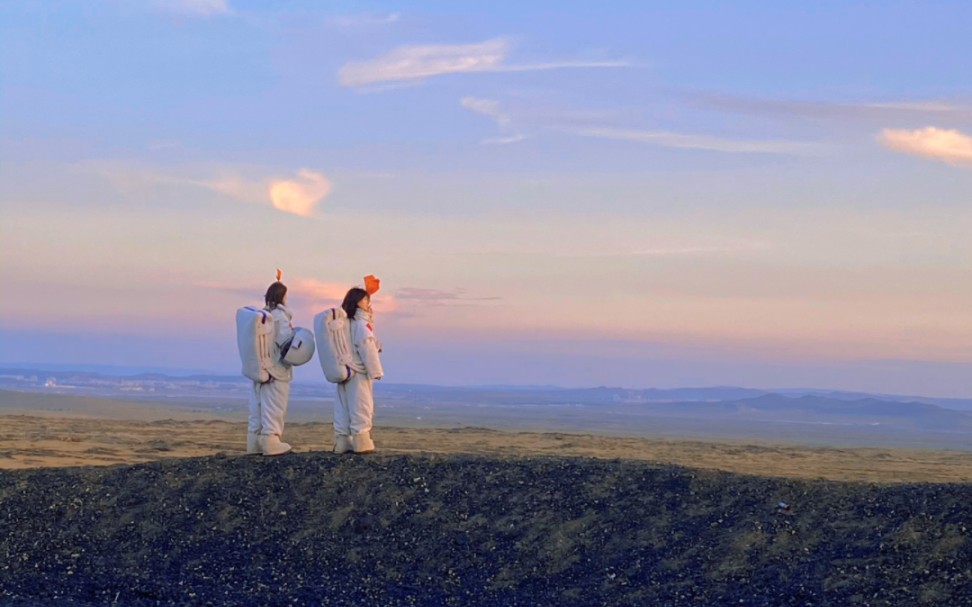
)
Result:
{"points": [[366, 346], [283, 332]]}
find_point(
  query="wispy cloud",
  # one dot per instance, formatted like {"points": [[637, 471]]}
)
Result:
{"points": [[877, 110], [492, 109], [949, 146], [683, 250], [298, 195], [308, 296], [437, 297], [201, 8], [617, 124], [365, 19], [414, 63], [486, 107], [695, 142], [306, 289], [504, 140], [234, 185], [325, 293], [918, 106], [319, 295]]}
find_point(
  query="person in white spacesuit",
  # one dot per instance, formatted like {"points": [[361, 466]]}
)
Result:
{"points": [[354, 408], [268, 401]]}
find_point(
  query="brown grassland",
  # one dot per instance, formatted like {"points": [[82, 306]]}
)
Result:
{"points": [[52, 440]]}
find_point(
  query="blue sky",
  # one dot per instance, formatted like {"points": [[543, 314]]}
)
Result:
{"points": [[640, 194]]}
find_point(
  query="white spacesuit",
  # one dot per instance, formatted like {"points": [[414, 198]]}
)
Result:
{"points": [[355, 407], [268, 401]]}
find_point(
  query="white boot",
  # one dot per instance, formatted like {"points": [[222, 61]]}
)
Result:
{"points": [[270, 444], [252, 443], [342, 443], [362, 443]]}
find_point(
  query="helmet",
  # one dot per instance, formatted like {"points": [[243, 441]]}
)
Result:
{"points": [[300, 349]]}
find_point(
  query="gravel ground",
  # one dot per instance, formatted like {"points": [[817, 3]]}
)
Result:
{"points": [[389, 530]]}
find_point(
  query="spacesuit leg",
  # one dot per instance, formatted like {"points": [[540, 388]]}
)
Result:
{"points": [[342, 420], [274, 397], [253, 421], [362, 410]]}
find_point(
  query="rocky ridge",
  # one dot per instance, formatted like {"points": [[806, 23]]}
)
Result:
{"points": [[320, 529]]}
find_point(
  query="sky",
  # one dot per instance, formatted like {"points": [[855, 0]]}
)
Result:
{"points": [[637, 194]]}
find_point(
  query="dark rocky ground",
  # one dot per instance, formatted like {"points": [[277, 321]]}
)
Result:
{"points": [[320, 529]]}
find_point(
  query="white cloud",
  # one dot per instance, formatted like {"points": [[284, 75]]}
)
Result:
{"points": [[696, 142], [949, 146], [202, 8], [418, 62], [299, 196]]}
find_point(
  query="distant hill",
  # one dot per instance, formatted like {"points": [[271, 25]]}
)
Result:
{"points": [[142, 383], [821, 410], [318, 529]]}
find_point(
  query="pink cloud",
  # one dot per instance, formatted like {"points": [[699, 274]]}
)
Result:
{"points": [[298, 195], [301, 195], [311, 294], [324, 295], [949, 146]]}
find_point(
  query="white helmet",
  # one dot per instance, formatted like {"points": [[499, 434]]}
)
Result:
{"points": [[300, 349]]}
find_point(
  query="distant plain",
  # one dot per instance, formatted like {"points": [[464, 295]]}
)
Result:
{"points": [[42, 430]]}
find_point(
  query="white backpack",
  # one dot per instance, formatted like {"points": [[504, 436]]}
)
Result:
{"points": [[254, 337], [332, 330]]}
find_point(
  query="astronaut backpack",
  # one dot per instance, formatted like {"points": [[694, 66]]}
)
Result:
{"points": [[333, 332], [254, 337]]}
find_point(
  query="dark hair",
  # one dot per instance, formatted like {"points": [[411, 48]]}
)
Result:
{"points": [[275, 295], [350, 303]]}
